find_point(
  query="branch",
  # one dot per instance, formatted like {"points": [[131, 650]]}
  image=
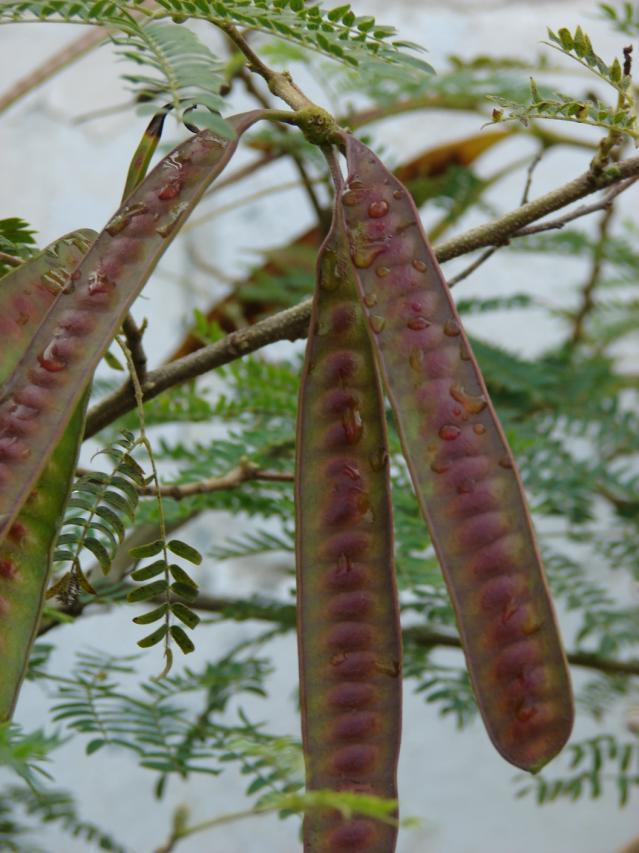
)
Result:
{"points": [[292, 323], [133, 336], [284, 614], [280, 83], [242, 473], [588, 290], [514, 223], [11, 260]]}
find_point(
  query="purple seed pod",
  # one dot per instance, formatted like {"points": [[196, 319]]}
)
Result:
{"points": [[26, 295], [25, 559], [466, 481], [348, 625], [64, 352]]}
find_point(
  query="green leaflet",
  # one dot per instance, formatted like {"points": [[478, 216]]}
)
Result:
{"points": [[348, 624], [464, 474], [63, 354]]}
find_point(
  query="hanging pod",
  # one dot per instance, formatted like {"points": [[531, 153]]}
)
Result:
{"points": [[463, 471], [348, 626]]}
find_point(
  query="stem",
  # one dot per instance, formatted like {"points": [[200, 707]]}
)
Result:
{"points": [[137, 390], [587, 293]]}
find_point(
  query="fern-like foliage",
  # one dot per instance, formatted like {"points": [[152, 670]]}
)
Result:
{"points": [[338, 33], [625, 16], [618, 118], [21, 807], [595, 764], [173, 586], [101, 507], [16, 239], [102, 701], [186, 72]]}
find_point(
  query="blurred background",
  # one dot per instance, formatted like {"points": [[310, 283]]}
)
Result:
{"points": [[65, 150]]}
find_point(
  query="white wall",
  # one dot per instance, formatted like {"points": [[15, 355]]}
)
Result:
{"points": [[59, 176]]}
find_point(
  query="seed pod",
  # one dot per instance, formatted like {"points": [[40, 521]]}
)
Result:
{"points": [[348, 626], [26, 294], [28, 291], [71, 340], [464, 474]]}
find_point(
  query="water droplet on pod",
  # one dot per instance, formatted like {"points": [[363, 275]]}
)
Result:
{"points": [[353, 197], [506, 462], [439, 466], [363, 256], [397, 194], [370, 299], [172, 219], [377, 323], [382, 271], [419, 265], [416, 324], [50, 361], [451, 328], [377, 209], [416, 358], [99, 283], [479, 429], [473, 403], [122, 219], [352, 423], [378, 459], [449, 432], [464, 352], [171, 189]]}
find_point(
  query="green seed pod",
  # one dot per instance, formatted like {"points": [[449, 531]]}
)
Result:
{"points": [[464, 474], [348, 626]]}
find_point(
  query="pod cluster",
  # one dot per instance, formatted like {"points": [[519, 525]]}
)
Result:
{"points": [[464, 474], [348, 627]]}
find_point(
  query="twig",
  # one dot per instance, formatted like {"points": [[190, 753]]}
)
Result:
{"points": [[242, 609], [529, 174], [11, 260], [279, 82], [68, 54], [242, 473], [292, 323], [243, 200], [133, 335], [307, 181], [588, 290], [472, 267], [514, 223], [583, 210]]}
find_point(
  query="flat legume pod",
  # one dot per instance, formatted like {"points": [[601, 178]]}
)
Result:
{"points": [[463, 471], [65, 350], [348, 627]]}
